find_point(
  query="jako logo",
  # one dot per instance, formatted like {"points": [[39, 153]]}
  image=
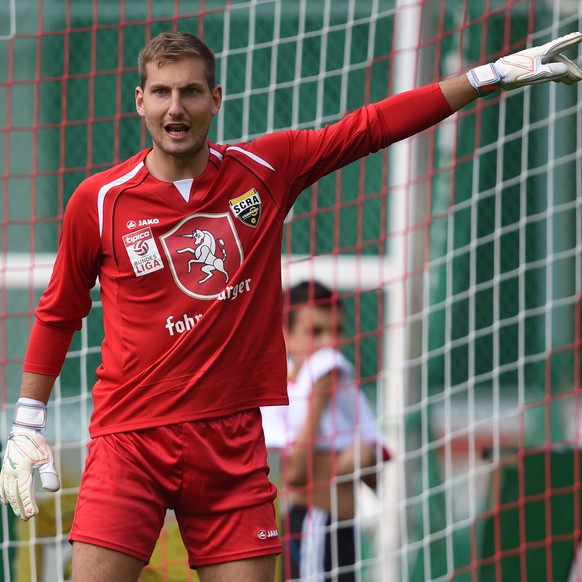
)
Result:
{"points": [[270, 533], [131, 224]]}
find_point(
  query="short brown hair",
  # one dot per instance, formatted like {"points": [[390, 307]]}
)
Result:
{"points": [[170, 47]]}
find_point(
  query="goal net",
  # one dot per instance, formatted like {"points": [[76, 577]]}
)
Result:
{"points": [[456, 253]]}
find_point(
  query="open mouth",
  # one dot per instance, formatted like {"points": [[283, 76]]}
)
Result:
{"points": [[177, 129]]}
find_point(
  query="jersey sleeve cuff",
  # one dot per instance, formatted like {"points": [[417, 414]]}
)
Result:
{"points": [[411, 112], [47, 349]]}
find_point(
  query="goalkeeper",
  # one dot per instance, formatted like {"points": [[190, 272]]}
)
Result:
{"points": [[185, 239]]}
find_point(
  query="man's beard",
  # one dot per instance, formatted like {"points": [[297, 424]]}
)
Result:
{"points": [[182, 153]]}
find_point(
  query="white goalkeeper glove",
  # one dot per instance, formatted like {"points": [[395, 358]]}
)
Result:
{"points": [[534, 65], [27, 450]]}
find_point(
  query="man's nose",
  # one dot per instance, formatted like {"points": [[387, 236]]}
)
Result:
{"points": [[176, 107]]}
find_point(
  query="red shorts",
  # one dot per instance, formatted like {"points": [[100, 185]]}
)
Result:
{"points": [[212, 473]]}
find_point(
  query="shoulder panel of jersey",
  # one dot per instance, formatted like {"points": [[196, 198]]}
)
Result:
{"points": [[248, 156], [244, 154], [120, 175], [273, 178]]}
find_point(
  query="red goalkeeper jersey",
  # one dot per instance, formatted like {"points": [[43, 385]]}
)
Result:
{"points": [[191, 282]]}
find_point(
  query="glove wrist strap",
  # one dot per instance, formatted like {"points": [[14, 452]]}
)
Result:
{"points": [[485, 79], [30, 413]]}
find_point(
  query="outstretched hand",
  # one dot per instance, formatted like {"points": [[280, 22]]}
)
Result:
{"points": [[540, 64]]}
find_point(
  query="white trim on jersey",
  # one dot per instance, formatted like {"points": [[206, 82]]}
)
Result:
{"points": [[252, 156], [105, 189], [216, 153]]}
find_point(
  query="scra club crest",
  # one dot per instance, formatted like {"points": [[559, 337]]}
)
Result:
{"points": [[204, 252]]}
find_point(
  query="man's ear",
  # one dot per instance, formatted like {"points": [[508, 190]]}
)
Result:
{"points": [[216, 99], [139, 101]]}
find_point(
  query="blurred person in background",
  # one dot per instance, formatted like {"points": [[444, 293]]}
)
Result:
{"points": [[328, 437]]}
